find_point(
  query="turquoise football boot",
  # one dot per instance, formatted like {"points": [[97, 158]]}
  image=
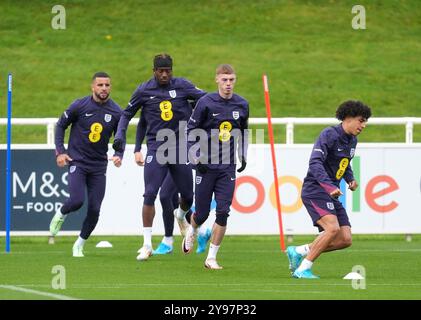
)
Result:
{"points": [[294, 258], [202, 241], [163, 249], [306, 274]]}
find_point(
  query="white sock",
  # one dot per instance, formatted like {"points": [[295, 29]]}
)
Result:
{"points": [[213, 250], [181, 214], [80, 242], [168, 241], [147, 237], [303, 250], [305, 264]]}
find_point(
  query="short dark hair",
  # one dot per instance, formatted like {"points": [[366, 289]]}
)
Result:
{"points": [[353, 108], [100, 74], [162, 60]]}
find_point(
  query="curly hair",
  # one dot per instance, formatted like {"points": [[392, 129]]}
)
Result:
{"points": [[353, 108]]}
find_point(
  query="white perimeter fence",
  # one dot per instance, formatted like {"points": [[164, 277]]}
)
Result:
{"points": [[409, 123]]}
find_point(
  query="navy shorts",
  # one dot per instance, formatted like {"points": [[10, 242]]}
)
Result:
{"points": [[220, 183], [321, 205], [155, 173]]}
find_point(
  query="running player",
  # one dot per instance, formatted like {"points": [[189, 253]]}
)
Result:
{"points": [[164, 101], [221, 119], [329, 163], [93, 120]]}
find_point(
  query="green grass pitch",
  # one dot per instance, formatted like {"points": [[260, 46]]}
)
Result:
{"points": [[254, 269]]}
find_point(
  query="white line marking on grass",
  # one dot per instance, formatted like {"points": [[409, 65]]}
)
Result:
{"points": [[36, 292]]}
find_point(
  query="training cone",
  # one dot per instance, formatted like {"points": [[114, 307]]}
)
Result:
{"points": [[104, 244], [353, 276]]}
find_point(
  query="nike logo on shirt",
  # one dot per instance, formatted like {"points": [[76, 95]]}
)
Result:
{"points": [[89, 114], [215, 114]]}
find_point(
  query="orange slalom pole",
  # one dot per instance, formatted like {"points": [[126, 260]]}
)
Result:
{"points": [[275, 172]]}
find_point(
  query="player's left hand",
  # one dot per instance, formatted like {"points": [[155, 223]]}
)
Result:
{"points": [[243, 165], [116, 160], [118, 145], [353, 185]]}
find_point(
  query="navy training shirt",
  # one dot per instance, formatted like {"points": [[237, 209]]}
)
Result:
{"points": [[92, 125], [163, 107], [330, 161], [225, 123]]}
